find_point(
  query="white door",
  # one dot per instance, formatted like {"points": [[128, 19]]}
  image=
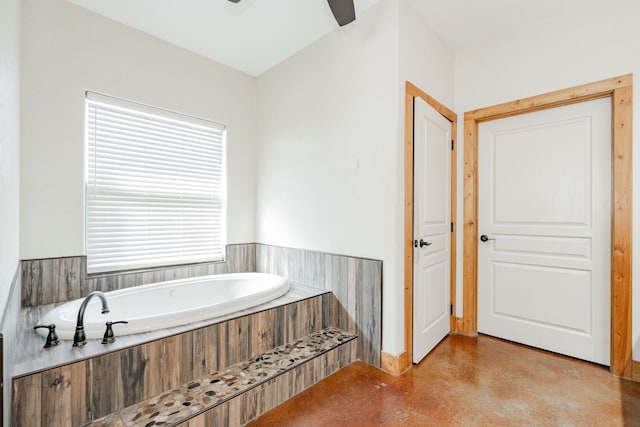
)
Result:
{"points": [[432, 228], [544, 203]]}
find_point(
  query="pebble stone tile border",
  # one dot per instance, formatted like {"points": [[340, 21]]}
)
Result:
{"points": [[198, 396]]}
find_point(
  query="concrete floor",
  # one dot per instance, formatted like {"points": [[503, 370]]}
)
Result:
{"points": [[467, 381]]}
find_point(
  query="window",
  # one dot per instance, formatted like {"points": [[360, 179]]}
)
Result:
{"points": [[155, 187]]}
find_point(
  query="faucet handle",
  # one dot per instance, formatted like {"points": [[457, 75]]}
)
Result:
{"points": [[109, 337], [52, 337]]}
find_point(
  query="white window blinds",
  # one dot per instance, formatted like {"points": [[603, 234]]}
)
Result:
{"points": [[155, 187]]}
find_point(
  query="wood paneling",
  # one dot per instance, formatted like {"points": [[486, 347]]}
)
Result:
{"points": [[52, 280], [55, 397], [255, 402], [31, 357], [26, 401], [109, 387], [620, 90], [95, 387], [355, 282], [400, 363], [201, 394], [64, 392]]}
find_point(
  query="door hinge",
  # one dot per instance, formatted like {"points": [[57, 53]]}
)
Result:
{"points": [[452, 144], [450, 308], [452, 227]]}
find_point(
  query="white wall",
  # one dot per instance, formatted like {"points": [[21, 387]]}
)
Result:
{"points": [[562, 52], [327, 146], [9, 144], [424, 59], [330, 138], [68, 50]]}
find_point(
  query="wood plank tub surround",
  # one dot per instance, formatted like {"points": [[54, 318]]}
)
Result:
{"points": [[31, 357], [348, 293], [90, 388], [355, 281], [52, 280]]}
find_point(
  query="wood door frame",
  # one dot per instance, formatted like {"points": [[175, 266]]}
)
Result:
{"points": [[620, 91], [398, 364]]}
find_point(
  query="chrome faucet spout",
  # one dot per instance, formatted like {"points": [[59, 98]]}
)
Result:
{"points": [[79, 338]]}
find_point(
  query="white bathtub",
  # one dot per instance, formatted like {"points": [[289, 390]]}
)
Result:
{"points": [[167, 304]]}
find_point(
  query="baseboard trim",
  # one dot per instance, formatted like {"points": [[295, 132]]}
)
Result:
{"points": [[395, 365], [635, 370], [457, 325]]}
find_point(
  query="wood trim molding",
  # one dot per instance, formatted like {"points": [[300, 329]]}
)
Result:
{"points": [[408, 231], [415, 92], [620, 91], [402, 362], [635, 371], [586, 92], [458, 325], [395, 365]]}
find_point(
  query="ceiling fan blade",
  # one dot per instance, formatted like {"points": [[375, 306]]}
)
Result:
{"points": [[343, 10]]}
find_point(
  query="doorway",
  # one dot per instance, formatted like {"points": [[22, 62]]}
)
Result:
{"points": [[619, 90], [432, 228], [397, 364], [544, 214]]}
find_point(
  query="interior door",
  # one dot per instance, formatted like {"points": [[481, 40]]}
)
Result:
{"points": [[544, 223], [432, 228]]}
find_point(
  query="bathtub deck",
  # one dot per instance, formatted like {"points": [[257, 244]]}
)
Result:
{"points": [[32, 357]]}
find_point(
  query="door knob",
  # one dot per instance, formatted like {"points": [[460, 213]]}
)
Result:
{"points": [[423, 243], [485, 238]]}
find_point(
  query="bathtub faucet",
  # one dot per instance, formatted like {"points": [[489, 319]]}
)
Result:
{"points": [[79, 338]]}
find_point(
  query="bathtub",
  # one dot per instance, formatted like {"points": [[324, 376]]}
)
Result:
{"points": [[166, 304]]}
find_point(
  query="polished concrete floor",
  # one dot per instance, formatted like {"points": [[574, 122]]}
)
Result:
{"points": [[467, 381]]}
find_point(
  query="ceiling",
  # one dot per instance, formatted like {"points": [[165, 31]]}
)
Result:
{"points": [[254, 35], [251, 36]]}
